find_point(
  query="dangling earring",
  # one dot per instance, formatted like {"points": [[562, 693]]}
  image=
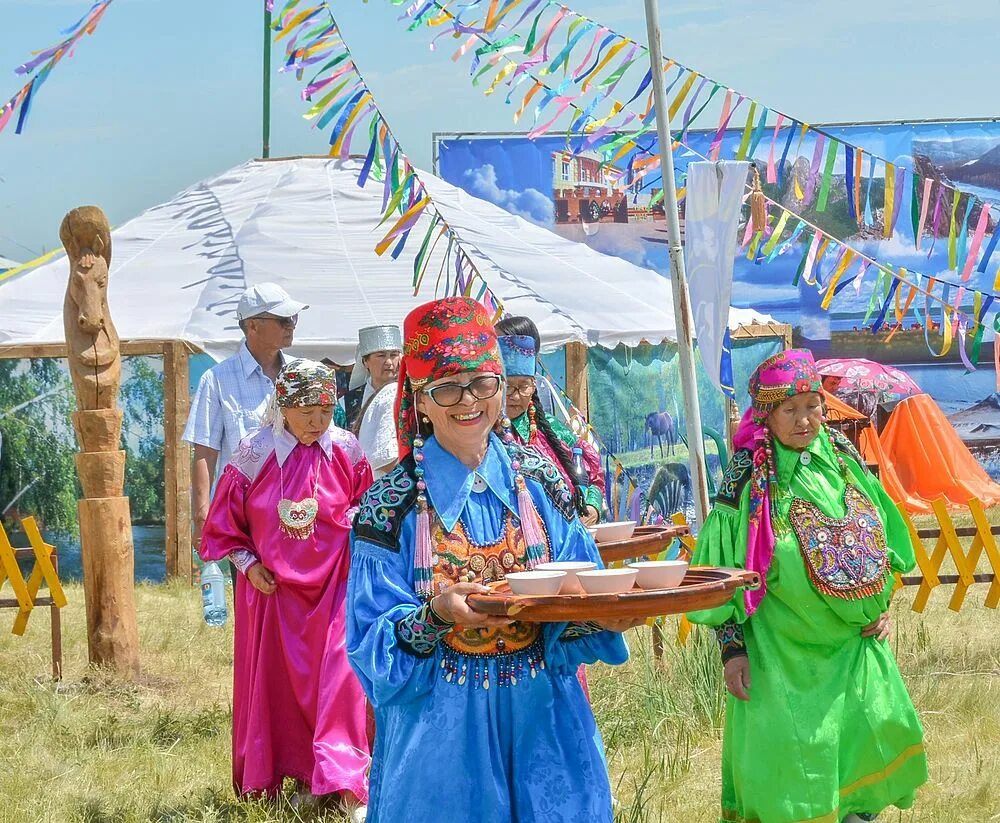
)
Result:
{"points": [[532, 425]]}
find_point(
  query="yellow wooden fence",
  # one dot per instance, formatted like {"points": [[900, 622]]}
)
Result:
{"points": [[46, 569]]}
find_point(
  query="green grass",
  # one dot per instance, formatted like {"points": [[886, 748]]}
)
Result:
{"points": [[94, 749]]}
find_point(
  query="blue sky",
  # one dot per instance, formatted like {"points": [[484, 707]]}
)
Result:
{"points": [[167, 92]]}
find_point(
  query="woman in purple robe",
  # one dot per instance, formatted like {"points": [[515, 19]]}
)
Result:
{"points": [[282, 513]]}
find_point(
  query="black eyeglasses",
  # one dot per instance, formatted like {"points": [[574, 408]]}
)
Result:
{"points": [[450, 394]]}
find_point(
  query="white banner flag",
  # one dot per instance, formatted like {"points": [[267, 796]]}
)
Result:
{"points": [[714, 199]]}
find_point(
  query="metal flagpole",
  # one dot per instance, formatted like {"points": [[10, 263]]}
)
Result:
{"points": [[678, 279], [265, 149]]}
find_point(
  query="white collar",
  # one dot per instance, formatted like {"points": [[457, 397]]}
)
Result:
{"points": [[285, 443]]}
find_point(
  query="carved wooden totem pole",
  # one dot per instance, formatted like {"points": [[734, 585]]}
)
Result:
{"points": [[105, 520]]}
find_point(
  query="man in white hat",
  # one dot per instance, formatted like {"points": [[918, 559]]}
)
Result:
{"points": [[232, 396], [377, 368]]}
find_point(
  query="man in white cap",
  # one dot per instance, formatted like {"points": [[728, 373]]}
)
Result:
{"points": [[232, 396], [377, 368]]}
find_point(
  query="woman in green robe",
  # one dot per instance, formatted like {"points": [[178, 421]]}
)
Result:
{"points": [[819, 725]]}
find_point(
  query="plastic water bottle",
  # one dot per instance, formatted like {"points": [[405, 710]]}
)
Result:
{"points": [[213, 594], [580, 478]]}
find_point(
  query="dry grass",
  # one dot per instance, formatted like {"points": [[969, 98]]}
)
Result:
{"points": [[94, 749]]}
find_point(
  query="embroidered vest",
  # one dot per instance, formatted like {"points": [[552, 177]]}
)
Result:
{"points": [[457, 559], [845, 556]]}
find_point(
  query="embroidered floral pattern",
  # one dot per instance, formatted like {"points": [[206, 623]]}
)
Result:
{"points": [[735, 478], [845, 556], [541, 469], [574, 631], [458, 559], [305, 383], [781, 376], [421, 630], [243, 559], [384, 506], [731, 642]]}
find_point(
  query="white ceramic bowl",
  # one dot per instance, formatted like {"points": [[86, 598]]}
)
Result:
{"points": [[659, 574], [536, 582], [570, 585], [612, 532], [607, 581]]}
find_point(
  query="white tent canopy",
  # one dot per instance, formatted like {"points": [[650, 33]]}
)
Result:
{"points": [[178, 269], [6, 263]]}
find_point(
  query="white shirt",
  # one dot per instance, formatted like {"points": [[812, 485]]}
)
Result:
{"points": [[378, 430], [229, 404]]}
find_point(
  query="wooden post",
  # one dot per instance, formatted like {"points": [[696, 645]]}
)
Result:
{"points": [[576, 377], [176, 460], [109, 569], [94, 354]]}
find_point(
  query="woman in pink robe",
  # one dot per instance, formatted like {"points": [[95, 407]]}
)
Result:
{"points": [[282, 513]]}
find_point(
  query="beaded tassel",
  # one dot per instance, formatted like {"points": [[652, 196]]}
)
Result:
{"points": [[531, 523], [423, 556]]}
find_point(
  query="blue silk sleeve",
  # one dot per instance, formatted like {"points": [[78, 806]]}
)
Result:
{"points": [[379, 596]]}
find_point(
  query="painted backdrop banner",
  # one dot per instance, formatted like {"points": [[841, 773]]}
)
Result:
{"points": [[584, 199]]}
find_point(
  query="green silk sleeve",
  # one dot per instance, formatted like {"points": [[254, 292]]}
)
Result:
{"points": [[722, 541], [562, 431], [593, 496]]}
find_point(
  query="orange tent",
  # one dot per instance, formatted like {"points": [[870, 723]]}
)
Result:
{"points": [[930, 458], [872, 451]]}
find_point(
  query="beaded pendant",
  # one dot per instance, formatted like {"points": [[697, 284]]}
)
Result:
{"points": [[298, 517]]}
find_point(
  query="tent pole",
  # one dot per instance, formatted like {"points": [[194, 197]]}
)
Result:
{"points": [[265, 149], [678, 281]]}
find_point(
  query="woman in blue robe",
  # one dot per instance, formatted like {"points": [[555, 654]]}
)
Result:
{"points": [[477, 718]]}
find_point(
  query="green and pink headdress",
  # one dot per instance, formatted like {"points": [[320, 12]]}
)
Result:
{"points": [[781, 376]]}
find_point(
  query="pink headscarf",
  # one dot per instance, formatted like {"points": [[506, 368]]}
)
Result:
{"points": [[779, 377]]}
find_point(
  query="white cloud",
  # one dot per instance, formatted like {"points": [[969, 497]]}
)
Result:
{"points": [[530, 204]]}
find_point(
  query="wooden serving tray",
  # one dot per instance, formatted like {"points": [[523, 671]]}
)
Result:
{"points": [[644, 540], [703, 587]]}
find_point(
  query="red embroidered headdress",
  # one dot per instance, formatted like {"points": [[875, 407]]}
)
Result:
{"points": [[440, 339]]}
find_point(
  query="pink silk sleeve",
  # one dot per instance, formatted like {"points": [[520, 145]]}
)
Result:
{"points": [[362, 480], [592, 460], [226, 528]]}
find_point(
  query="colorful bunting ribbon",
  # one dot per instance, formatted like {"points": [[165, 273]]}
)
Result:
{"points": [[342, 102], [46, 60], [615, 134]]}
